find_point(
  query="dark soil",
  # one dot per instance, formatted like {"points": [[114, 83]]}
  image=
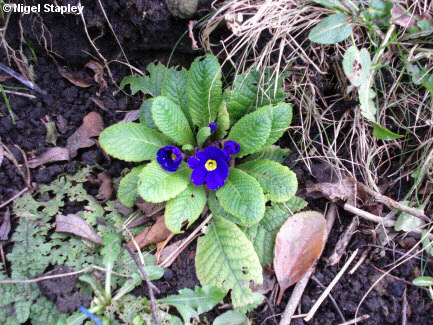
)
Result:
{"points": [[147, 32]]}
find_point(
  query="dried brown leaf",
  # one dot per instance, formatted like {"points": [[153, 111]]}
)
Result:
{"points": [[298, 245], [5, 226], [152, 235], [51, 155], [167, 250], [402, 17], [73, 224], [344, 190], [131, 116], [105, 190], [266, 286], [92, 126], [74, 78], [62, 124], [98, 69], [148, 208]]}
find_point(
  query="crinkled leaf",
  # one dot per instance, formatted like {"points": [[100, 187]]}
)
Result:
{"points": [[252, 90], [158, 185], [191, 303], [243, 197], [204, 89], [278, 182], [261, 128], [132, 141], [382, 133], [273, 152], [263, 234], [127, 192], [337, 4], [202, 135], [223, 122], [145, 114], [148, 85], [174, 88], [356, 65], [218, 210], [186, 206], [333, 29], [226, 259], [169, 118]]}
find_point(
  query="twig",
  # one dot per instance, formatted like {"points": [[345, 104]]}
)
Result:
{"points": [[21, 79], [393, 204], [342, 243], [17, 93], [9, 155], [360, 261], [356, 320], [368, 216], [170, 258], [150, 285], [325, 293], [374, 218], [17, 195], [300, 286], [330, 297], [49, 277]]}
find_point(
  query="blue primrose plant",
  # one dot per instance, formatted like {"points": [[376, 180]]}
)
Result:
{"points": [[214, 147]]}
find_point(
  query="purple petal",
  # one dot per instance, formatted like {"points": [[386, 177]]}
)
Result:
{"points": [[198, 176], [232, 147], [212, 126], [193, 162], [217, 178]]}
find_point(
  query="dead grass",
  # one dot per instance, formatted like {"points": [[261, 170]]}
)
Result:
{"points": [[328, 127]]}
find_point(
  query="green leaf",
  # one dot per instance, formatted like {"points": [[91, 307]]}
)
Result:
{"points": [[407, 222], [145, 114], [204, 90], [218, 210], [127, 192], [191, 303], [148, 85], [263, 234], [111, 249], [174, 88], [232, 317], [426, 244], [273, 152], [158, 185], [243, 197], [367, 104], [226, 259], [331, 30], [278, 182], [22, 310], [132, 141], [379, 9], [187, 206], [223, 122], [187, 147], [423, 281], [382, 133], [202, 135], [252, 90], [356, 65], [261, 128], [170, 119]]}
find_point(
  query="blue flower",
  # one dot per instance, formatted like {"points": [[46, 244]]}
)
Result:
{"points": [[232, 147], [212, 126], [169, 157], [210, 165]]}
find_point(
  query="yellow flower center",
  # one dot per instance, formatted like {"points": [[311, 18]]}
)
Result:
{"points": [[210, 165], [173, 156]]}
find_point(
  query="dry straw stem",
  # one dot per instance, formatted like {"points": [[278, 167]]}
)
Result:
{"points": [[325, 293]]}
